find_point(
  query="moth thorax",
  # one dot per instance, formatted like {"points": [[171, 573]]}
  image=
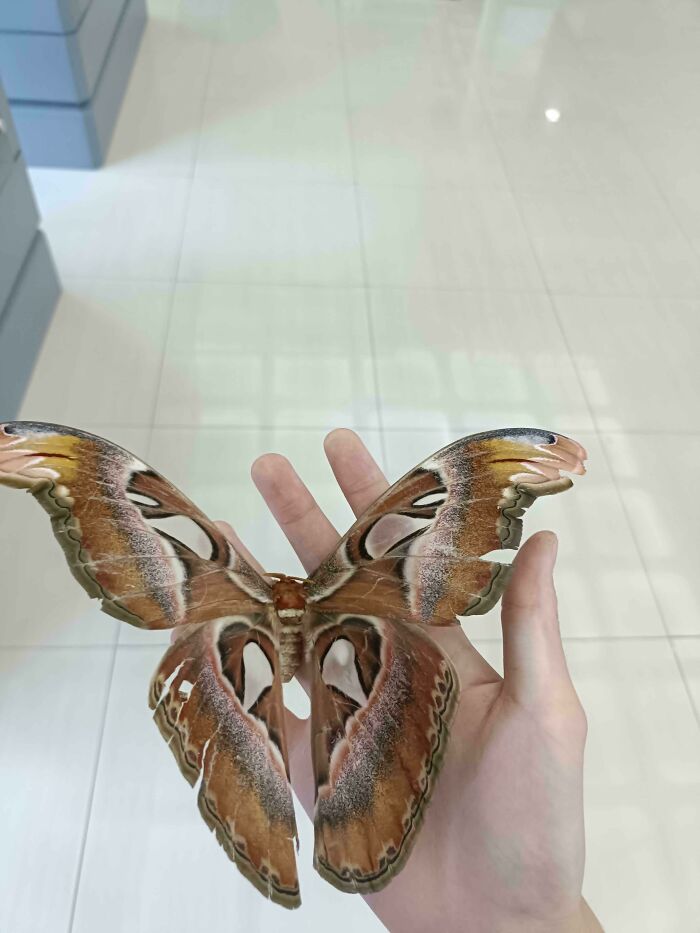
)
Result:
{"points": [[289, 598]]}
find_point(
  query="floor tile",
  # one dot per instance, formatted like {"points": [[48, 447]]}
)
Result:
{"points": [[597, 243], [667, 149], [642, 786], [449, 238], [276, 52], [602, 585], [688, 652], [553, 150], [199, 17], [291, 139], [113, 332], [437, 143], [668, 146], [42, 603], [642, 783], [376, 30], [460, 359], [526, 61], [112, 224], [146, 837], [396, 54], [633, 355], [247, 356], [158, 126], [684, 201], [276, 235], [652, 473], [212, 467], [51, 706], [305, 24], [645, 82]]}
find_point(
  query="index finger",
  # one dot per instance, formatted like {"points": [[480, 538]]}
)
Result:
{"points": [[355, 468]]}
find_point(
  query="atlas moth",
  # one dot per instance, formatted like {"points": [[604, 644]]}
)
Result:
{"points": [[383, 693]]}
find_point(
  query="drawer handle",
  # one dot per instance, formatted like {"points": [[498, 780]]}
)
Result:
{"points": [[3, 127]]}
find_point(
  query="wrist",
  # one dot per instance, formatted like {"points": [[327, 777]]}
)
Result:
{"points": [[581, 920]]}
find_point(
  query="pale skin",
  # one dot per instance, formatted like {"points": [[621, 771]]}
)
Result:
{"points": [[502, 846]]}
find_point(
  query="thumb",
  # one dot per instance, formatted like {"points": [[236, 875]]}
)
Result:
{"points": [[534, 665]]}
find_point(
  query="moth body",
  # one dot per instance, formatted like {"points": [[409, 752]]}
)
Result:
{"points": [[289, 601]]}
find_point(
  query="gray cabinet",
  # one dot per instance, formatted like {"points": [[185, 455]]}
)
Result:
{"points": [[29, 286], [66, 85]]}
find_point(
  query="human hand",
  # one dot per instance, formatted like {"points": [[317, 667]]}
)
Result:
{"points": [[502, 846]]}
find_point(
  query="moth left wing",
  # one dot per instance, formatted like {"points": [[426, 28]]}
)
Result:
{"points": [[217, 696], [416, 553], [125, 529], [383, 697]]}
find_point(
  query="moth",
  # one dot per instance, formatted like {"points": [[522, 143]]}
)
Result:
{"points": [[383, 693]]}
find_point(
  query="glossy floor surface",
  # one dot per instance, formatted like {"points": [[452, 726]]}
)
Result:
{"points": [[417, 218]]}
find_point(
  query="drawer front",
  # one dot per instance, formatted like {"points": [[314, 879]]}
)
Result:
{"points": [[9, 147], [23, 325], [59, 68], [77, 137], [18, 223], [42, 15]]}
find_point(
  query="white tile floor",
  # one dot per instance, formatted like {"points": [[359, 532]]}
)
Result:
{"points": [[322, 212]]}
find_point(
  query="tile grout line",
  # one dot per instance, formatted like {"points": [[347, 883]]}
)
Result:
{"points": [[642, 559], [385, 286], [175, 280], [148, 646], [361, 426], [93, 786], [154, 406], [340, 26], [547, 289], [598, 431], [622, 126]]}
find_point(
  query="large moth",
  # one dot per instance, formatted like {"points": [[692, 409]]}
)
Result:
{"points": [[383, 693]]}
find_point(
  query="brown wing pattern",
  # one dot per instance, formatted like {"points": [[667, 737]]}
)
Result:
{"points": [[383, 698], [415, 554], [111, 514], [217, 696]]}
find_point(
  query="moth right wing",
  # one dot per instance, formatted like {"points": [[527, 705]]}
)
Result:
{"points": [[417, 552], [217, 696], [122, 527]]}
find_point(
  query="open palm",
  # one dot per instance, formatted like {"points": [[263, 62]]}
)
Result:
{"points": [[502, 847]]}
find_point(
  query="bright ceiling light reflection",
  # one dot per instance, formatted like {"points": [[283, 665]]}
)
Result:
{"points": [[552, 114]]}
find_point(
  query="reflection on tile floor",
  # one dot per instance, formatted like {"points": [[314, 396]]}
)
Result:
{"points": [[418, 218]]}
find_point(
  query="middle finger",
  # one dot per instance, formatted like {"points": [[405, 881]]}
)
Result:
{"points": [[298, 514]]}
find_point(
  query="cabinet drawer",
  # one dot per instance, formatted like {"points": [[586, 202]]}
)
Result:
{"points": [[42, 15], [78, 136], [9, 147], [18, 223], [59, 68], [23, 324]]}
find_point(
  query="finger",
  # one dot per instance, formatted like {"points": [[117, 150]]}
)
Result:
{"points": [[362, 482], [533, 656], [298, 514], [355, 469], [239, 546]]}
